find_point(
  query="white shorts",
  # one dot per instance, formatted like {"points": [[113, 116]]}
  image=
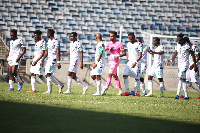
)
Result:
{"points": [[182, 72], [37, 69], [98, 70], [12, 61], [132, 72], [156, 71], [191, 75], [74, 65], [50, 67], [143, 70]]}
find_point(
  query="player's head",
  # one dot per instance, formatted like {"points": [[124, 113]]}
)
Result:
{"points": [[73, 36], [37, 35], [13, 34], [180, 38], [156, 41], [186, 39], [131, 37], [50, 33], [139, 39], [113, 36], [99, 36]]}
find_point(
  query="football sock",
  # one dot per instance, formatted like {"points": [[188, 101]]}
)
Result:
{"points": [[49, 83], [137, 86], [69, 83], [43, 79], [161, 87], [108, 82], [11, 83], [185, 88], [180, 82], [150, 86], [79, 81], [142, 86], [117, 82], [33, 82], [56, 81], [98, 86], [19, 78], [126, 83]]}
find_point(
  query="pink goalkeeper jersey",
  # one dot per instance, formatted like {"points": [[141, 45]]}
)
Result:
{"points": [[115, 48]]}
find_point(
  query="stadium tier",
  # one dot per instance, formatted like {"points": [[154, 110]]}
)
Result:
{"points": [[88, 17]]}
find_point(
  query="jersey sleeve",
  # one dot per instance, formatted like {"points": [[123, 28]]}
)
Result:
{"points": [[140, 49], [21, 42], [121, 46], [57, 43], [44, 45], [80, 48], [101, 49], [161, 48]]}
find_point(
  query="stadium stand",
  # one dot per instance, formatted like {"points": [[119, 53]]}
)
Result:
{"points": [[87, 17]]}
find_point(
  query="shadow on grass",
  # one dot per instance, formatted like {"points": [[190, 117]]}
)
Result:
{"points": [[28, 118]]}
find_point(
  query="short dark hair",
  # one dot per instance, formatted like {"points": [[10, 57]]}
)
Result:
{"points": [[157, 39], [14, 31], [187, 40], [131, 34], [51, 31], [180, 35], [114, 32], [38, 32], [74, 33]]}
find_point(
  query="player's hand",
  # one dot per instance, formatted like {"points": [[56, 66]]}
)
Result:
{"points": [[81, 65], [170, 63], [41, 64], [58, 66], [61, 55], [5, 60], [195, 68], [151, 52], [133, 65], [94, 65], [17, 59], [113, 56], [192, 66], [34, 63]]}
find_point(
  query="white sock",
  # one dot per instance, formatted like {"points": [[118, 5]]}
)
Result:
{"points": [[79, 81], [56, 81], [102, 85], [69, 83], [137, 86], [11, 83], [180, 82], [49, 83], [98, 86], [185, 88], [150, 86], [161, 87], [19, 78], [126, 83], [43, 79], [142, 86], [33, 81]]}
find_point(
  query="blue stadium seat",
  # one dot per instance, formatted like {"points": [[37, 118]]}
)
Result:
{"points": [[162, 27], [180, 28], [144, 27], [153, 27], [189, 29], [172, 28]]}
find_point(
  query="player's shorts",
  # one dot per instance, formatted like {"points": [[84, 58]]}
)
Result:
{"points": [[51, 66], [12, 61], [74, 65], [113, 67], [143, 69], [132, 72], [182, 72], [191, 75], [98, 70], [37, 69], [156, 71]]}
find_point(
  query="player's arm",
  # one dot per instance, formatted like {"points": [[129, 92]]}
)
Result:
{"points": [[58, 57], [99, 58], [160, 53], [65, 54], [194, 60], [23, 52], [81, 65], [173, 57], [7, 54], [127, 58], [123, 53], [35, 62], [45, 55], [138, 59]]}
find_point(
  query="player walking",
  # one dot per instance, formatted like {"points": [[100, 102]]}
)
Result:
{"points": [[157, 67], [13, 57], [75, 52], [183, 50], [115, 48], [132, 68], [53, 53], [99, 64]]}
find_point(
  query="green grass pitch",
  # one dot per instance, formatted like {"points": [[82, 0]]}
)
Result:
{"points": [[21, 112]]}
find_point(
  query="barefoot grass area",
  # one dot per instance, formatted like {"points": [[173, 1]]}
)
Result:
{"points": [[22, 112]]}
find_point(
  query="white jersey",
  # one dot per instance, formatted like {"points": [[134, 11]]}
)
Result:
{"points": [[158, 59], [39, 47], [15, 47], [144, 54], [52, 46], [183, 54], [75, 48], [196, 51], [100, 49], [133, 51]]}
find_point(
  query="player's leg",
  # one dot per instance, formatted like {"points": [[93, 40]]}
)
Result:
{"points": [[33, 82], [77, 79], [98, 81], [142, 84], [15, 74], [126, 81], [49, 84], [11, 79], [69, 83], [117, 82], [56, 81], [150, 82], [160, 78]]}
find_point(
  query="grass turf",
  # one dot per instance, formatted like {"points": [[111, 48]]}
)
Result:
{"points": [[25, 112]]}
